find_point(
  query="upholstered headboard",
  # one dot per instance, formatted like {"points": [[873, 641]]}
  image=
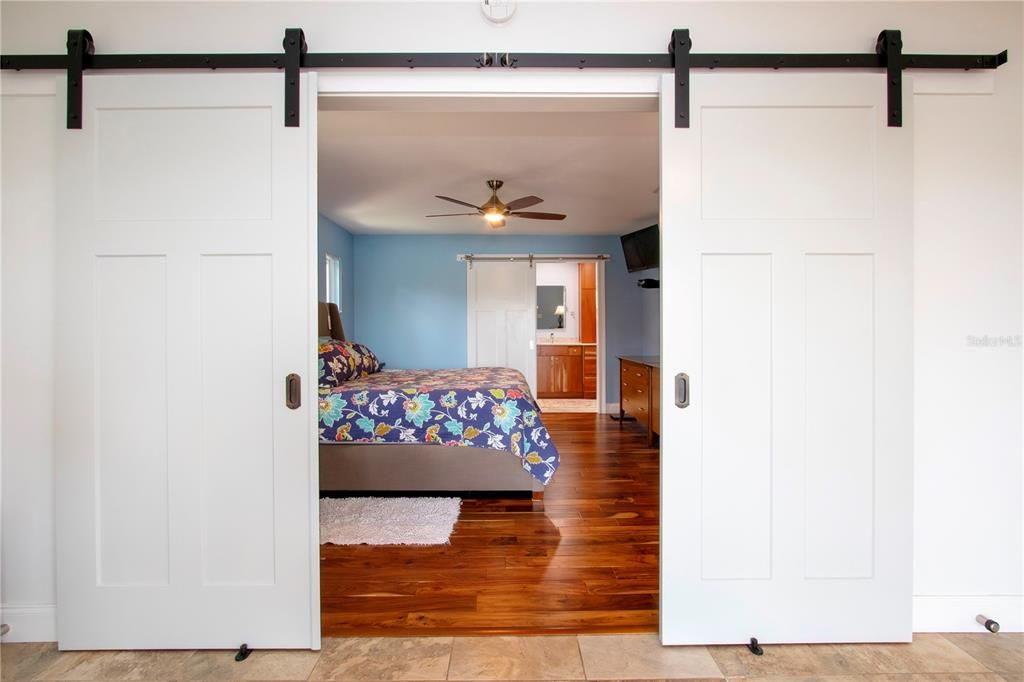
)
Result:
{"points": [[330, 321]]}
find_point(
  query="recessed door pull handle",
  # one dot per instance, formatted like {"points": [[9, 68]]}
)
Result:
{"points": [[682, 390], [293, 391]]}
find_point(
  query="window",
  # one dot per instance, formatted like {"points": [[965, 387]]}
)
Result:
{"points": [[333, 275]]}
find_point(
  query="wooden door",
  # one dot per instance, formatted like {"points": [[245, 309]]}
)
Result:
{"points": [[548, 376]]}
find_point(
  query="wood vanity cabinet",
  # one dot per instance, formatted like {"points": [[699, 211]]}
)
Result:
{"points": [[588, 302], [588, 327], [559, 371], [589, 372]]}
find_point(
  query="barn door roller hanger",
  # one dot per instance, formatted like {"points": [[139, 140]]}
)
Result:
{"points": [[888, 57]]}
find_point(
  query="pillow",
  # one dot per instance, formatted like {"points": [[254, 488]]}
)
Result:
{"points": [[344, 360]]}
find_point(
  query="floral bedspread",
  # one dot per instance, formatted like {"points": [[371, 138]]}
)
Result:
{"points": [[485, 407]]}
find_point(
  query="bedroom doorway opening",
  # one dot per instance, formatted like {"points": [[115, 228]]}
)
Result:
{"points": [[569, 318], [555, 523], [559, 344]]}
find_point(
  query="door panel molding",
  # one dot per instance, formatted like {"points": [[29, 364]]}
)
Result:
{"points": [[787, 481], [183, 481]]}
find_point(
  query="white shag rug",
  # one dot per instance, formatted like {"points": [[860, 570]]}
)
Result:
{"points": [[388, 520]]}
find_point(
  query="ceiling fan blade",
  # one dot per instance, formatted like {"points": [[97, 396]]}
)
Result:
{"points": [[445, 215], [538, 216], [523, 202], [456, 201]]}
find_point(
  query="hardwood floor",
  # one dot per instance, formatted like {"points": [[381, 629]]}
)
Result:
{"points": [[586, 562], [552, 405]]}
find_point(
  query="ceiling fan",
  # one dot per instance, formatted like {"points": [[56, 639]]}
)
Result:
{"points": [[495, 212]]}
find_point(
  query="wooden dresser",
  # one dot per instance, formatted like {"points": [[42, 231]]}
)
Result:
{"points": [[640, 392]]}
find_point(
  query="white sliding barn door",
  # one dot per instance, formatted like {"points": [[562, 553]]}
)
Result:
{"points": [[186, 295], [502, 319], [786, 275]]}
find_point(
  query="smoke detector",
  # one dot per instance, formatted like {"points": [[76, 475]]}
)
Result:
{"points": [[498, 11]]}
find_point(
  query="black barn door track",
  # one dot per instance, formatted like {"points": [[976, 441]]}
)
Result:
{"points": [[678, 59]]}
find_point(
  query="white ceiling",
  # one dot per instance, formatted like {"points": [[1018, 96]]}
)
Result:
{"points": [[379, 170]]}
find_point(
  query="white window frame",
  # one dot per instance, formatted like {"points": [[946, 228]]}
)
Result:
{"points": [[332, 279]]}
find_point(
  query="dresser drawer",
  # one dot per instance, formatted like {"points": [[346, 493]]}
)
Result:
{"points": [[549, 349], [635, 376], [636, 406], [634, 393], [631, 369]]}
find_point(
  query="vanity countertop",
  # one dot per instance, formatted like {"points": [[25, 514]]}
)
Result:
{"points": [[562, 342]]}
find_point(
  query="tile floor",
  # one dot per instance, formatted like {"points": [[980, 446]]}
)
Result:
{"points": [[931, 658]]}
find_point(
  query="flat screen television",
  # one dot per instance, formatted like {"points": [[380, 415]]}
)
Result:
{"points": [[641, 249]]}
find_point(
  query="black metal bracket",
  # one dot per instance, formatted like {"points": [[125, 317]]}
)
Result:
{"points": [[79, 45], [294, 49], [889, 47], [680, 48], [755, 648], [679, 59]]}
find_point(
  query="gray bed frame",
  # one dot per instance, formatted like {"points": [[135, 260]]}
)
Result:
{"points": [[407, 467]]}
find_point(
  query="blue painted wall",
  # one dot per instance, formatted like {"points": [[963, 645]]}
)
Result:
{"points": [[411, 296], [651, 298], [337, 241]]}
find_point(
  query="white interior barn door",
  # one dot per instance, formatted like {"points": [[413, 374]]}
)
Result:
{"points": [[502, 316], [786, 272], [186, 292]]}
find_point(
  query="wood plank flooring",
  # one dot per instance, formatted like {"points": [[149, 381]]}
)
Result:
{"points": [[587, 562]]}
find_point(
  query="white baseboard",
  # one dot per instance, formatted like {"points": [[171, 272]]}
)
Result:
{"points": [[956, 613], [30, 622]]}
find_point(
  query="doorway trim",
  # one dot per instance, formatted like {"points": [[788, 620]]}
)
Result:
{"points": [[599, 260], [569, 90]]}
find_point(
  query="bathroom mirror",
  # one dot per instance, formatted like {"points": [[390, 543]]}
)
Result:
{"points": [[550, 307]]}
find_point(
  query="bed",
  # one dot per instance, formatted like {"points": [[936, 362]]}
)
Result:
{"points": [[475, 430]]}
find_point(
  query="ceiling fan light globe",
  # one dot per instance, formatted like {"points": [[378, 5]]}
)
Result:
{"points": [[494, 218]]}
